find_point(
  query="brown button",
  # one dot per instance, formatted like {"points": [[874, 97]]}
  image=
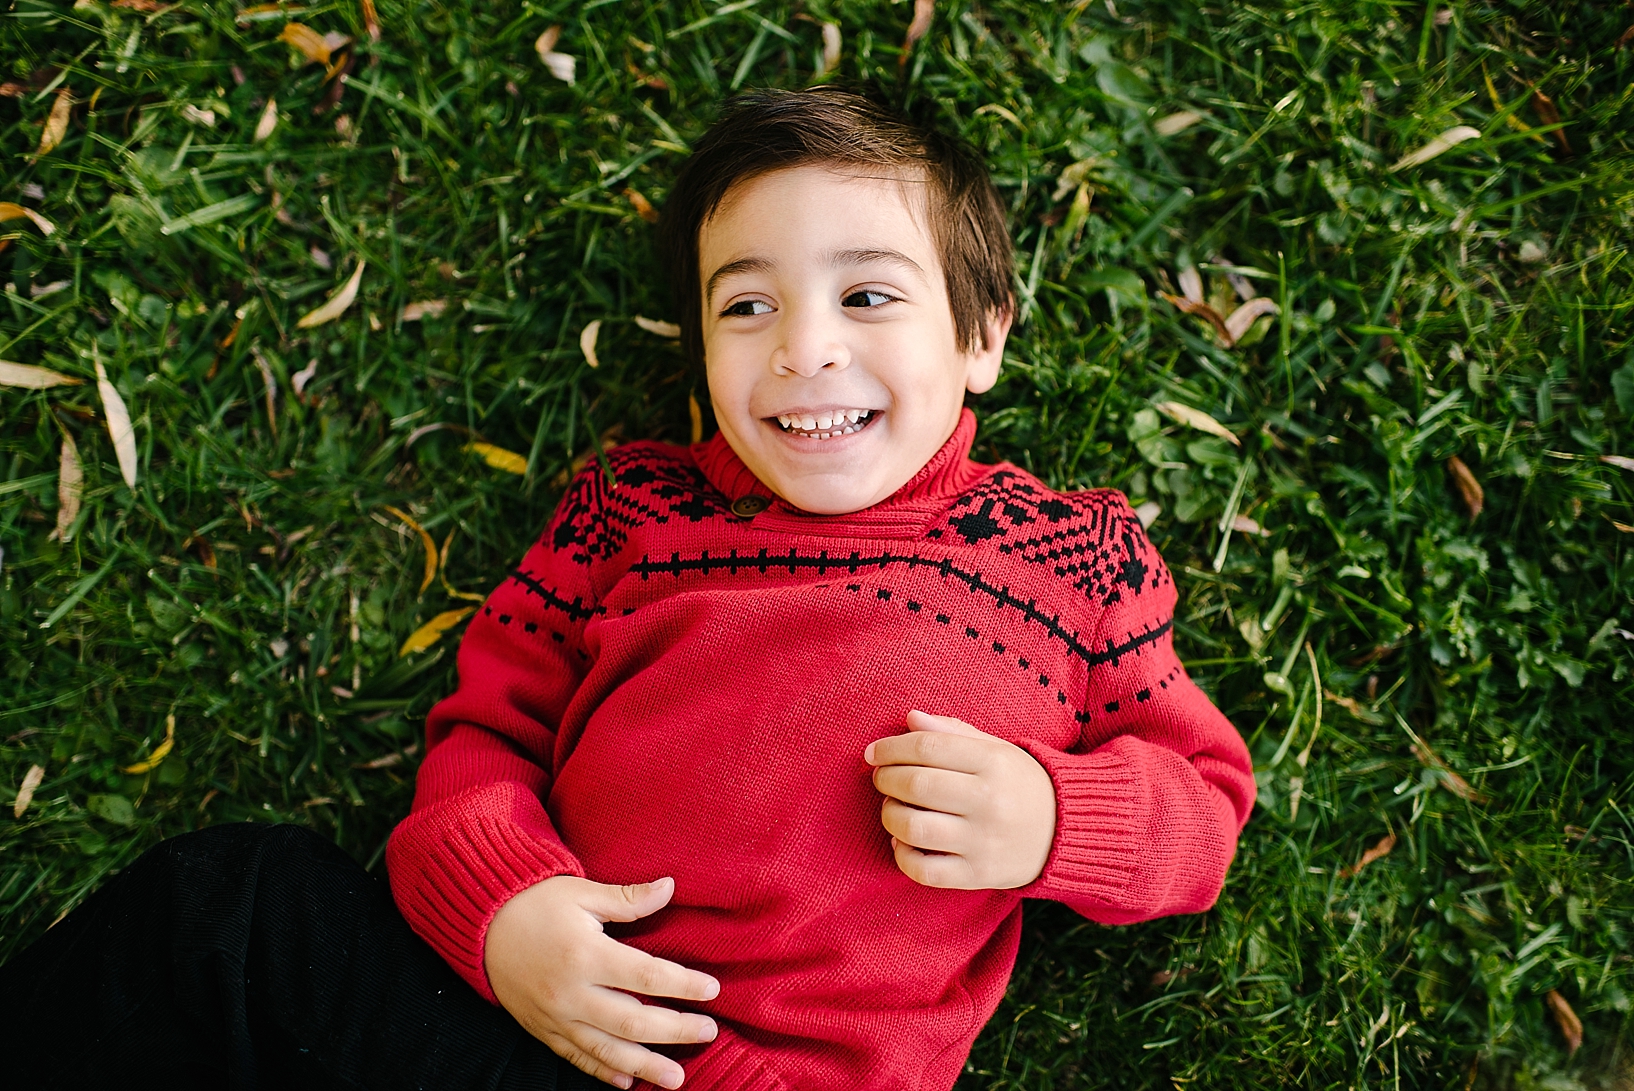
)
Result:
{"points": [[747, 507]]}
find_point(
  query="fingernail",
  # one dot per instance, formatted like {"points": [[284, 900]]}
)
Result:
{"points": [[708, 1033], [673, 1080], [868, 753], [624, 1082]]}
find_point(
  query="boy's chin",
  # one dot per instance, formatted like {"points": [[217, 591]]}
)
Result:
{"points": [[833, 494]]}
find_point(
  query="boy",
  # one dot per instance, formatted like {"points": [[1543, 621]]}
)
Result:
{"points": [[778, 729], [684, 712]]}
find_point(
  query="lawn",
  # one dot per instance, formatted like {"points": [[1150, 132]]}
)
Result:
{"points": [[1397, 493]]}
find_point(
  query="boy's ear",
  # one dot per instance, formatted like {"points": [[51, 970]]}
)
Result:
{"points": [[982, 365]]}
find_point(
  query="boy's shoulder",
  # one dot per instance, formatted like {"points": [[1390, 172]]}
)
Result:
{"points": [[644, 482]]}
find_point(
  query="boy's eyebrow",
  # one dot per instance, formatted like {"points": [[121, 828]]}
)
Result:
{"points": [[836, 258]]}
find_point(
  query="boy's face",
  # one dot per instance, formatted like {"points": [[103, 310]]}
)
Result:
{"points": [[828, 338]]}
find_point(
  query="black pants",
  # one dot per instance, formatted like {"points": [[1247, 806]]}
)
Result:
{"points": [[250, 956]]}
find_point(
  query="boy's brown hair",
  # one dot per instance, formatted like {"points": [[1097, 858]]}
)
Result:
{"points": [[768, 130]]}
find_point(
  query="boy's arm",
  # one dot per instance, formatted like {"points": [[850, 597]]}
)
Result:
{"points": [[1150, 800], [478, 832]]}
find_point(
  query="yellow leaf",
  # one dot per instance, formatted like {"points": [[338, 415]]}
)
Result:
{"points": [[120, 429], [499, 458], [442, 572], [70, 486], [9, 211], [1443, 143], [587, 343], [425, 540], [25, 794], [695, 411], [160, 752], [371, 20], [56, 123], [658, 328], [307, 42], [337, 304], [268, 122], [30, 377], [432, 631], [642, 206], [1196, 418], [1176, 122]]}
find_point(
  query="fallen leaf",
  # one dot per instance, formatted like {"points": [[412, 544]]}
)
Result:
{"points": [[432, 631], [1147, 513], [56, 122], [587, 342], [1196, 418], [1624, 527], [268, 122], [1201, 310], [831, 48], [337, 304], [9, 211], [30, 377], [424, 308], [1378, 852], [1074, 176], [696, 413], [120, 429], [25, 793], [498, 457], [304, 376], [1176, 122], [1549, 114], [391, 760], [192, 113], [160, 752], [669, 329], [371, 20], [138, 5], [1626, 40], [1443, 143], [1238, 321], [560, 64], [316, 48], [70, 487], [425, 540], [206, 553], [1571, 1027], [642, 206], [442, 574], [1191, 283], [922, 12], [269, 387], [1622, 462], [1454, 783], [438, 426], [1242, 524], [1469, 488]]}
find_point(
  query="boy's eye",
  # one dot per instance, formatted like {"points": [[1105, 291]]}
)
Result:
{"points": [[864, 298], [745, 308]]}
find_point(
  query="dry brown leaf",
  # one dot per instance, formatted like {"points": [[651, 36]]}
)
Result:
{"points": [[432, 631], [206, 554], [560, 64], [1626, 40], [643, 207], [658, 327], [388, 761], [268, 122], [120, 429], [587, 342], [1549, 114], [160, 752], [1622, 462], [70, 488], [831, 48], [1196, 418], [1469, 488], [1176, 122], [9, 211], [1239, 320], [922, 12], [25, 793], [1571, 1027], [425, 540], [337, 303], [1378, 852], [56, 122], [371, 20], [442, 573], [1242, 524], [1201, 310], [307, 42], [696, 413], [138, 5], [269, 386], [30, 377], [1454, 783], [1443, 143], [499, 458], [424, 308]]}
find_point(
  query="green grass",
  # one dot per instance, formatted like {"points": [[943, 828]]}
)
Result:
{"points": [[460, 169]]}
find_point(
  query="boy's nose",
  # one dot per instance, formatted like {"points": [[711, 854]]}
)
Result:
{"points": [[809, 345]]}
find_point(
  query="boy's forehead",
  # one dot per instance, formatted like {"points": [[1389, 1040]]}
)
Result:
{"points": [[875, 203]]}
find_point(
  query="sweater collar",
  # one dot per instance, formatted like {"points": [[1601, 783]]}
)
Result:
{"points": [[949, 472]]}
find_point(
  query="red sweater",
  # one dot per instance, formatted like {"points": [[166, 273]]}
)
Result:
{"points": [[680, 678]]}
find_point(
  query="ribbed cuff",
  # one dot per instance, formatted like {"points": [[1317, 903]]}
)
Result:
{"points": [[1098, 817], [454, 864], [729, 1064]]}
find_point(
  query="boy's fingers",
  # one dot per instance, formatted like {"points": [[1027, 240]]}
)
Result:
{"points": [[937, 749], [614, 1060], [918, 829], [947, 872], [628, 903], [951, 725], [931, 789], [623, 1016], [638, 972]]}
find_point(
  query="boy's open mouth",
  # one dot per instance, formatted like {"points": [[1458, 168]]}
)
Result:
{"points": [[829, 424]]}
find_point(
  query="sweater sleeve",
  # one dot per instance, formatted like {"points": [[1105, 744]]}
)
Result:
{"points": [[478, 833], [1151, 798]]}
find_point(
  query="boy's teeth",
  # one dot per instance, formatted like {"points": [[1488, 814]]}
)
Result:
{"points": [[825, 421], [808, 423], [785, 420], [826, 426]]}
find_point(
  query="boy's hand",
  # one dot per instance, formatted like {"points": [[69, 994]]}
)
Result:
{"points": [[965, 810], [569, 983]]}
